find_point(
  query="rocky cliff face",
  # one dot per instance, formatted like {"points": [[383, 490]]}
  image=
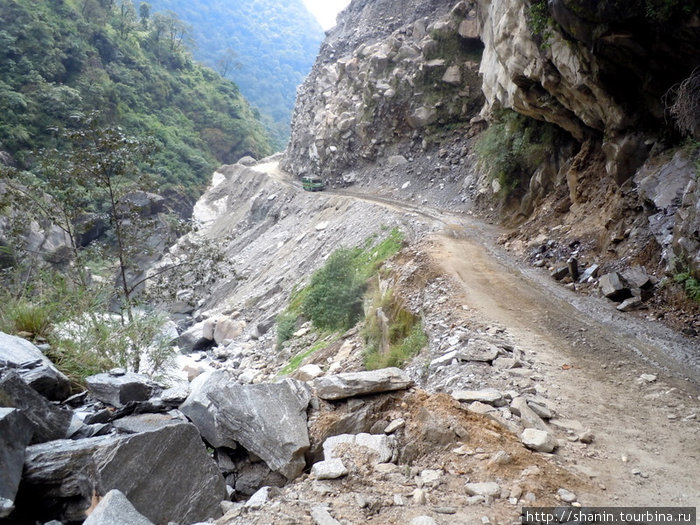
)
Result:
{"points": [[404, 80], [390, 73]]}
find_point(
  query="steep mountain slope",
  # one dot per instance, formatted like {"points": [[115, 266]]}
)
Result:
{"points": [[410, 87], [266, 46], [62, 58]]}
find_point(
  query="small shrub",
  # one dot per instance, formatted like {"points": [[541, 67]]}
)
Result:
{"points": [[21, 315], [334, 299], [513, 147], [690, 284], [540, 22], [286, 325]]}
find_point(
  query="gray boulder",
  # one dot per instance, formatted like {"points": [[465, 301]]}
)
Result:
{"points": [[528, 417], [166, 474], [119, 389], [613, 287], [538, 440], [34, 367], [268, 420], [116, 509], [15, 433], [48, 421], [200, 409], [351, 384], [478, 350]]}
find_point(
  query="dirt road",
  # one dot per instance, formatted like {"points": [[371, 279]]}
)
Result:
{"points": [[647, 450]]}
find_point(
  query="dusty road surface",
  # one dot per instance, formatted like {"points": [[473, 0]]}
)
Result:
{"points": [[647, 446]]}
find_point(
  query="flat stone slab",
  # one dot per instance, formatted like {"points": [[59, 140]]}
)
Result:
{"points": [[342, 386], [490, 396], [480, 351], [33, 366]]}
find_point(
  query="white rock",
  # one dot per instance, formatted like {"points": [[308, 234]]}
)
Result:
{"points": [[483, 489], [308, 372], [566, 495], [258, 500], [423, 520], [321, 516], [419, 497], [382, 446], [329, 469], [445, 359], [395, 425], [538, 440], [430, 476]]}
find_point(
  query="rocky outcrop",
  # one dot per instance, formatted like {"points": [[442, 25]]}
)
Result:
{"points": [[386, 85], [15, 434], [33, 366], [587, 67], [268, 420], [48, 421], [167, 475], [669, 191]]}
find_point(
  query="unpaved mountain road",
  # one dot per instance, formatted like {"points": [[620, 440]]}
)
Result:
{"points": [[589, 359]]}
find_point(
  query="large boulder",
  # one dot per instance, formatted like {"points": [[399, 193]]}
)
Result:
{"points": [[48, 421], [351, 384], [116, 509], [117, 388], [34, 367], [202, 411], [15, 433], [268, 420], [167, 475]]}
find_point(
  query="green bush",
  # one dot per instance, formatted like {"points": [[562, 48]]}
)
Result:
{"points": [[286, 325], [513, 147], [334, 299], [690, 284], [20, 315]]}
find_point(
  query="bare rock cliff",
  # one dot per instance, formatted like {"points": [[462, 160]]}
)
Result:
{"points": [[409, 80]]}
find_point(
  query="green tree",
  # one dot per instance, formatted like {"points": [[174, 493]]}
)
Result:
{"points": [[144, 14]]}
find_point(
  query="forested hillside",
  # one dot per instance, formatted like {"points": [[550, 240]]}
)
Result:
{"points": [[266, 46], [59, 58]]}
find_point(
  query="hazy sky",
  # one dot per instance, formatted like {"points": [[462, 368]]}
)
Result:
{"points": [[325, 10]]}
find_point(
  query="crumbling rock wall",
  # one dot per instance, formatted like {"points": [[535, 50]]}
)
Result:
{"points": [[387, 74]]}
